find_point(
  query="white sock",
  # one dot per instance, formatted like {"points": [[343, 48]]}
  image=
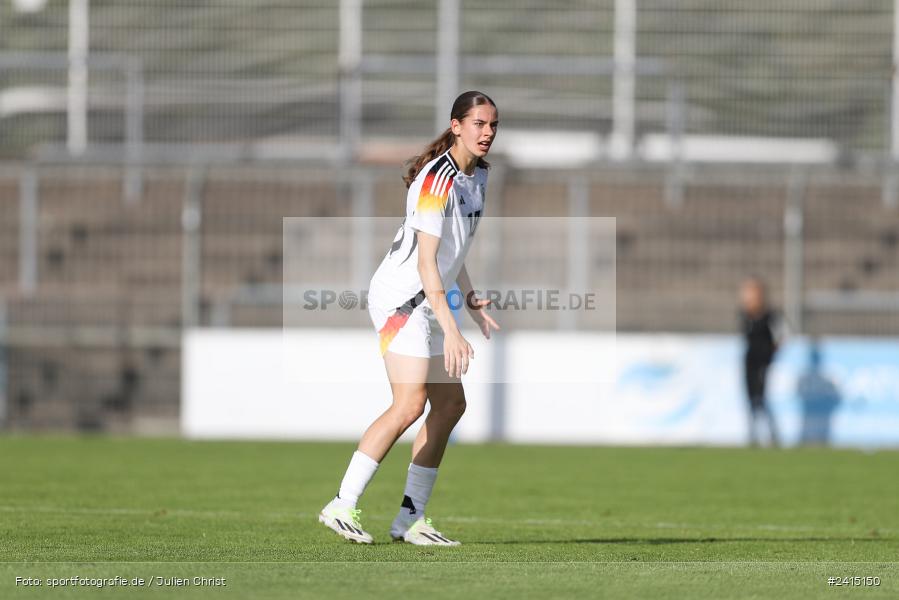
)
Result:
{"points": [[362, 468], [419, 484]]}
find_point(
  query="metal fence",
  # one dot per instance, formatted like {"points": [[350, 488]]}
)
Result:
{"points": [[329, 72], [98, 289], [205, 233], [152, 149]]}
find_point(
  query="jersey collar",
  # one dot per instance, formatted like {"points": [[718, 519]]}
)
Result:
{"points": [[456, 165], [453, 162]]}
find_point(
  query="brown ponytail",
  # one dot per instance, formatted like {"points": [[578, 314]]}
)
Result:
{"points": [[465, 102]]}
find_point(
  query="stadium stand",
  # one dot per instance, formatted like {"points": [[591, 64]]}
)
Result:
{"points": [[107, 264], [102, 325]]}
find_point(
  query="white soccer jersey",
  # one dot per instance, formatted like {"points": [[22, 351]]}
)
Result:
{"points": [[442, 201]]}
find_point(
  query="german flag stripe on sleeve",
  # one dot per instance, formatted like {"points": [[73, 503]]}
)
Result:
{"points": [[435, 187]]}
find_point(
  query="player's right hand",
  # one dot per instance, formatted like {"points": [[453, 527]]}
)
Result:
{"points": [[456, 354]]}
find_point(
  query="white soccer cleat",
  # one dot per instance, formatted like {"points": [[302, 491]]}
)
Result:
{"points": [[345, 522], [422, 533]]}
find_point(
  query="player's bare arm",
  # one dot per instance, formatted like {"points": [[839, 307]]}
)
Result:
{"points": [[476, 306], [457, 350]]}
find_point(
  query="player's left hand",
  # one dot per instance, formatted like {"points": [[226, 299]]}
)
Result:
{"points": [[483, 320]]}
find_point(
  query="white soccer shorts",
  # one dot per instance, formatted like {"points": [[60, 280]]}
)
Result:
{"points": [[408, 331]]}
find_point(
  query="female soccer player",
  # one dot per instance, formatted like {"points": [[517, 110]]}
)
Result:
{"points": [[424, 352]]}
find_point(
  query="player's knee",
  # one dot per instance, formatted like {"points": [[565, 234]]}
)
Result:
{"points": [[410, 415], [457, 408], [452, 410], [409, 408]]}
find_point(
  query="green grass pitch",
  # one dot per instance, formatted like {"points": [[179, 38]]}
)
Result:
{"points": [[534, 521]]}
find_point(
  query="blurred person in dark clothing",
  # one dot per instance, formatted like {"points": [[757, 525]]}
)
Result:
{"points": [[758, 324]]}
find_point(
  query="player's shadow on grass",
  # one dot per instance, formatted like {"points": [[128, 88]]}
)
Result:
{"points": [[703, 540]]}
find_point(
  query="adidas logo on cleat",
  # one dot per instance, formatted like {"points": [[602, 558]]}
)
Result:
{"points": [[345, 522], [348, 527]]}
